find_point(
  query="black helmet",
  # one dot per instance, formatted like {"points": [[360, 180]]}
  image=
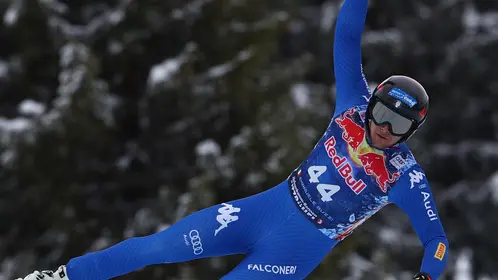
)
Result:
{"points": [[402, 103]]}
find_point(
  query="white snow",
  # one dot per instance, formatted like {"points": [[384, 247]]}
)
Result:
{"points": [[55, 5], [30, 107], [329, 14], [463, 265], [123, 162], [184, 201], [244, 55], [14, 125], [96, 24], [241, 139], [300, 94], [105, 104], [161, 227], [220, 70], [7, 268], [12, 14], [164, 72], [358, 265], [115, 47], [392, 36], [50, 118], [4, 68], [273, 164], [223, 69], [489, 20], [115, 16], [493, 185], [143, 220], [265, 128], [470, 18], [69, 82], [255, 178], [482, 148], [191, 8], [208, 147], [389, 235], [101, 243], [203, 89], [238, 26], [225, 166], [10, 129], [7, 157], [71, 52]]}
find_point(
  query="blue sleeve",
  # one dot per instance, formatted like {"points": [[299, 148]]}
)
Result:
{"points": [[351, 85], [413, 195]]}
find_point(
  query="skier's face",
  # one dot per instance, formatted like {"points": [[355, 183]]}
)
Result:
{"points": [[381, 137]]}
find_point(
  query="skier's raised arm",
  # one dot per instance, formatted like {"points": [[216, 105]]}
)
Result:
{"points": [[351, 84]]}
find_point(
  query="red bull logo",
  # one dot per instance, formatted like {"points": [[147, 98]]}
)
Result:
{"points": [[352, 133], [375, 165], [372, 160]]}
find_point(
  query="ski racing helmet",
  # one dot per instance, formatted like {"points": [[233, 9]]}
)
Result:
{"points": [[400, 102]]}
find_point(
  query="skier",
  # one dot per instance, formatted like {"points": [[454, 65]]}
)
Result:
{"points": [[361, 164]]}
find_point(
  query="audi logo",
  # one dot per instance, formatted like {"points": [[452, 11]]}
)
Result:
{"points": [[195, 239]]}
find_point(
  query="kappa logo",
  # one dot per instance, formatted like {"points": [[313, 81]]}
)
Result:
{"points": [[226, 216], [415, 178]]}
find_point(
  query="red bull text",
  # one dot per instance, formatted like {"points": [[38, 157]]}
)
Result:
{"points": [[344, 168]]}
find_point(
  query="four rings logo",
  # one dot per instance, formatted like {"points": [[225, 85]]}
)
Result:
{"points": [[195, 239]]}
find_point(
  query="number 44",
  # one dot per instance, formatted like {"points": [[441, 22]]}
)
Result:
{"points": [[325, 190]]}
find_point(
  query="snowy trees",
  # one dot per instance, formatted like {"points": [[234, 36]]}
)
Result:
{"points": [[120, 117]]}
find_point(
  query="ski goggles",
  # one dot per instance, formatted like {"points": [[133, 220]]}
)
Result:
{"points": [[398, 124]]}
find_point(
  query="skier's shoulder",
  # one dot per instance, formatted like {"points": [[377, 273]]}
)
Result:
{"points": [[402, 158], [358, 111], [406, 163], [410, 172]]}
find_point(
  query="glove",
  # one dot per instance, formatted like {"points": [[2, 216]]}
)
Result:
{"points": [[59, 274], [421, 276]]}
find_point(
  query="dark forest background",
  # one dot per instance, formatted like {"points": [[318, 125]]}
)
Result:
{"points": [[119, 117]]}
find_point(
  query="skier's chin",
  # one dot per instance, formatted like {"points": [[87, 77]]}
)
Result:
{"points": [[381, 141]]}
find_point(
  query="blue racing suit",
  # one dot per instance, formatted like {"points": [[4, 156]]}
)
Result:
{"points": [[286, 231]]}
